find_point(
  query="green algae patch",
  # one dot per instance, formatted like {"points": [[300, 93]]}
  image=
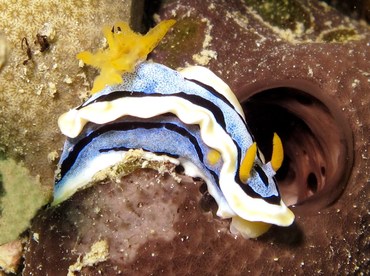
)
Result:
{"points": [[185, 40], [340, 35], [285, 14], [21, 196]]}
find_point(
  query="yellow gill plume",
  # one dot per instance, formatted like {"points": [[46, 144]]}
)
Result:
{"points": [[277, 152]]}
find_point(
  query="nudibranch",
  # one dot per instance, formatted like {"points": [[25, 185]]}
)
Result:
{"points": [[190, 118]]}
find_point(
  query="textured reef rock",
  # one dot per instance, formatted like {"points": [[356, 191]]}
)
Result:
{"points": [[316, 61], [40, 75]]}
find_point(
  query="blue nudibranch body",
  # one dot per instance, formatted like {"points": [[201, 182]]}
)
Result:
{"points": [[190, 116]]}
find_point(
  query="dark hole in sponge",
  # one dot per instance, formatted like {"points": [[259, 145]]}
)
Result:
{"points": [[323, 171], [316, 138], [203, 188], [207, 202], [179, 169], [312, 182]]}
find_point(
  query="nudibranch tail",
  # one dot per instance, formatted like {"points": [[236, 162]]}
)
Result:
{"points": [[247, 163], [277, 152], [126, 49], [248, 229]]}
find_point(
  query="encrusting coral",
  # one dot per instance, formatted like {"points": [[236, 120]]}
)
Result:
{"points": [[40, 77]]}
